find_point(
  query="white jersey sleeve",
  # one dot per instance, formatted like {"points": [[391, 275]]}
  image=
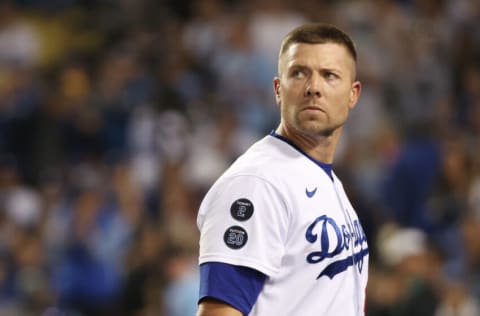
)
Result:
{"points": [[243, 221]]}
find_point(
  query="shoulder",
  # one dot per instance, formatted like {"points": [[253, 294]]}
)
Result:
{"points": [[268, 158], [258, 176]]}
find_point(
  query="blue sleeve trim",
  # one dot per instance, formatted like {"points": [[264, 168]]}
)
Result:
{"points": [[235, 285]]}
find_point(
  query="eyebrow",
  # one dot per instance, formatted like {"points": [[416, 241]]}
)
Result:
{"points": [[304, 66]]}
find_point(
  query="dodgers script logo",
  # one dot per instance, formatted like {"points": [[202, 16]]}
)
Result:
{"points": [[341, 242]]}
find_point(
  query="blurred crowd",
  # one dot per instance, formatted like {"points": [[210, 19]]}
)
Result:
{"points": [[117, 115]]}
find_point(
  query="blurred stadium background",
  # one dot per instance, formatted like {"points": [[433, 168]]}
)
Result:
{"points": [[117, 115]]}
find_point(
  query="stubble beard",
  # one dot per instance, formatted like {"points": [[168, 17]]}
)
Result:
{"points": [[312, 127]]}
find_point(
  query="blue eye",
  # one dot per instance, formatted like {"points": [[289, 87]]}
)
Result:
{"points": [[330, 75], [297, 73]]}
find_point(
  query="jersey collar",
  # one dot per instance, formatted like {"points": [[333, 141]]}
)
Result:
{"points": [[327, 167]]}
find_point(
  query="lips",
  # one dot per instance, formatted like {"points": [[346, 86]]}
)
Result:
{"points": [[313, 108]]}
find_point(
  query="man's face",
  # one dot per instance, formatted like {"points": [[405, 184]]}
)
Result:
{"points": [[315, 88]]}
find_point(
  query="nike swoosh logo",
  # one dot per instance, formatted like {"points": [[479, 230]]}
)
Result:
{"points": [[310, 193]]}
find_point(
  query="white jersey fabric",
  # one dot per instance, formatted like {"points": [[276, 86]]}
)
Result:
{"points": [[276, 211]]}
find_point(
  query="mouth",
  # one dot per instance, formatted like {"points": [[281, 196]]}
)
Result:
{"points": [[313, 108]]}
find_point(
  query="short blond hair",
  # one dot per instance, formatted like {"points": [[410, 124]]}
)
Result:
{"points": [[318, 33]]}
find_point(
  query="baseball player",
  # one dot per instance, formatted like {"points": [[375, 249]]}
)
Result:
{"points": [[278, 233]]}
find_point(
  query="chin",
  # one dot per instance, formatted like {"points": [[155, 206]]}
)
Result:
{"points": [[309, 130], [315, 129]]}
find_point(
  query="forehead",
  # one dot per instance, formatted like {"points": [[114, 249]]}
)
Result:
{"points": [[325, 55]]}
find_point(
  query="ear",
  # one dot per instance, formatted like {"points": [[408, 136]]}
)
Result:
{"points": [[276, 89], [354, 94]]}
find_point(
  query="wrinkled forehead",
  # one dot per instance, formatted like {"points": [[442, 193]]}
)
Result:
{"points": [[324, 55]]}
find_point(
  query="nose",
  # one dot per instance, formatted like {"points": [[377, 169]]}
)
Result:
{"points": [[313, 88]]}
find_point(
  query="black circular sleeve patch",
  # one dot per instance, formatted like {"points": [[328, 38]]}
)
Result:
{"points": [[235, 237], [241, 209]]}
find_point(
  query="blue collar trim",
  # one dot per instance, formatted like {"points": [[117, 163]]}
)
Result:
{"points": [[327, 167]]}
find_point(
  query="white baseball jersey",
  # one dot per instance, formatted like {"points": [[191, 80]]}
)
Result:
{"points": [[276, 211]]}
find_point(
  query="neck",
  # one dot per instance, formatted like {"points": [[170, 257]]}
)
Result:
{"points": [[319, 147]]}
